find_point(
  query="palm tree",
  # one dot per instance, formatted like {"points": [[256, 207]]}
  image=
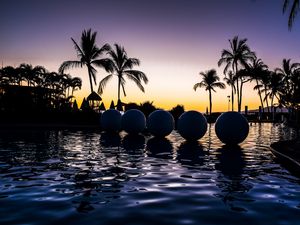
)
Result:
{"points": [[88, 54], [290, 83], [76, 82], [258, 71], [31, 74], [210, 81], [293, 11], [265, 81], [122, 66], [230, 80], [10, 76], [237, 57], [287, 71], [274, 87]]}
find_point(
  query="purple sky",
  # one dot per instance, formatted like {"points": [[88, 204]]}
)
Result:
{"points": [[175, 39]]}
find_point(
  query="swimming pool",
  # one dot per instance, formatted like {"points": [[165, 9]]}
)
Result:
{"points": [[80, 177]]}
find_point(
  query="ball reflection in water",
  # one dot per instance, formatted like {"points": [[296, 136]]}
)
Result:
{"points": [[160, 123], [232, 128], [192, 125]]}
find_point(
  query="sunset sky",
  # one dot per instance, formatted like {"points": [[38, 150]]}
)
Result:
{"points": [[174, 39]]}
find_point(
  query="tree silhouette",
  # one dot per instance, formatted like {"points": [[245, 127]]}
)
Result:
{"points": [[258, 71], [210, 81], [235, 58], [35, 88], [290, 91], [31, 74], [274, 87], [76, 82], [88, 54], [122, 66]]}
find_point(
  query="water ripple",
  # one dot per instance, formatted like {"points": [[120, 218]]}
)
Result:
{"points": [[78, 177]]}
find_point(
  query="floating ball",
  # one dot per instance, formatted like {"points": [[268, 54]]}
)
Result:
{"points": [[111, 120], [133, 121], [232, 128], [160, 123], [192, 125]]}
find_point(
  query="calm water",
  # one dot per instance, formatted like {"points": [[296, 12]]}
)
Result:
{"points": [[79, 177]]}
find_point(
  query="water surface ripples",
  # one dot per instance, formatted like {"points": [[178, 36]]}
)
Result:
{"points": [[80, 177]]}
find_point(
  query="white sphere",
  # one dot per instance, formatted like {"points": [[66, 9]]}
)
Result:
{"points": [[133, 121], [192, 125], [160, 123], [111, 120], [232, 128]]}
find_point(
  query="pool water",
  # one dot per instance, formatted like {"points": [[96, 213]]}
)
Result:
{"points": [[80, 177]]}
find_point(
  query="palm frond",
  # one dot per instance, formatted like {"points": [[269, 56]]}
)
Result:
{"points": [[285, 5], [219, 85], [293, 13], [139, 75], [136, 81], [69, 64], [198, 85], [103, 83], [106, 64], [80, 53], [130, 62]]}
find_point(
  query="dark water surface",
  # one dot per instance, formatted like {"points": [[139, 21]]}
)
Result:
{"points": [[79, 177]]}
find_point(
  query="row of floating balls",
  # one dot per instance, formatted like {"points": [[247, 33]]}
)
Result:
{"points": [[231, 127]]}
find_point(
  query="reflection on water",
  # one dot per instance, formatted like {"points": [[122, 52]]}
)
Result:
{"points": [[160, 148], [231, 164], [79, 177], [231, 160], [191, 154]]}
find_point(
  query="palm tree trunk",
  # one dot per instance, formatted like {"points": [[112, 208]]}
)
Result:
{"points": [[237, 87], [119, 86], [267, 100], [232, 99], [241, 96], [210, 102], [272, 107], [261, 101], [90, 77]]}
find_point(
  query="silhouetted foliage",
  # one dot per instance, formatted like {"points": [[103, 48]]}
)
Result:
{"points": [[131, 105], [102, 107], [147, 108], [235, 59], [29, 88], [112, 105], [210, 81], [85, 105], [121, 66], [88, 54], [176, 113], [292, 12]]}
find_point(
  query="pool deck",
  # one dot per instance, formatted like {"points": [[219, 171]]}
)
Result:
{"points": [[288, 152]]}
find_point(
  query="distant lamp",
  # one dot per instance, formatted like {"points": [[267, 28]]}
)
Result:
{"points": [[133, 121], [111, 120], [192, 125], [232, 128], [160, 123]]}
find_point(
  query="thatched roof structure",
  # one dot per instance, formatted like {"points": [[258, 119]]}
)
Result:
{"points": [[94, 97]]}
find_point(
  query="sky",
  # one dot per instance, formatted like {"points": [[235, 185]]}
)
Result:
{"points": [[174, 40]]}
